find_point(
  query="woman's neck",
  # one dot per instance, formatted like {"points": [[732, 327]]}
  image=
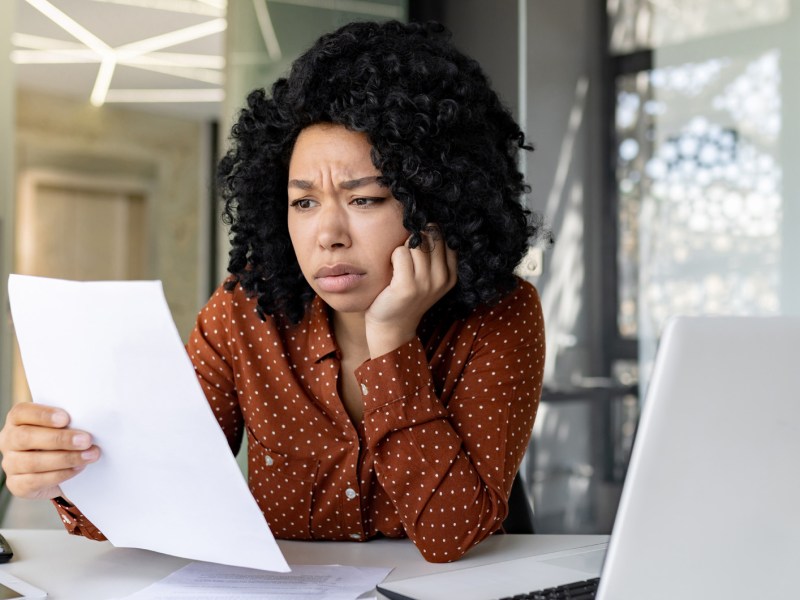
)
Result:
{"points": [[351, 337], [351, 334]]}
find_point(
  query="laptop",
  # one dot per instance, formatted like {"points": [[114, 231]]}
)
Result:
{"points": [[710, 507]]}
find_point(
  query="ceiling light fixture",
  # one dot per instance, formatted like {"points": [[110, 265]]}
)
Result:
{"points": [[174, 59], [52, 57], [71, 26], [354, 6], [38, 42], [267, 30], [195, 74], [209, 8], [140, 54], [103, 81], [173, 38], [162, 95]]}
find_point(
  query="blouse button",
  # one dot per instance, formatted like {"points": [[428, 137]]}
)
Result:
{"points": [[350, 493], [268, 460], [355, 536], [363, 389]]}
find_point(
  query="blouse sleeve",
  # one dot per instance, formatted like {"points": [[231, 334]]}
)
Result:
{"points": [[209, 349], [448, 469], [75, 522]]}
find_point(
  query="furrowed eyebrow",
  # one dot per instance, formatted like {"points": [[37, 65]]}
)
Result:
{"points": [[350, 184], [301, 184], [357, 183]]}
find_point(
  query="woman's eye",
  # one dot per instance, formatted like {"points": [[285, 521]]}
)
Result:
{"points": [[367, 201], [301, 203]]}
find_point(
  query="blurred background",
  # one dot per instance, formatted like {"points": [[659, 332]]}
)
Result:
{"points": [[664, 137]]}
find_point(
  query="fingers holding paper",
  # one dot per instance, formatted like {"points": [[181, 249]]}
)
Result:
{"points": [[40, 451]]}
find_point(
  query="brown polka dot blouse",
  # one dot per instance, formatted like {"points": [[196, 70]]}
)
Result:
{"points": [[447, 419]]}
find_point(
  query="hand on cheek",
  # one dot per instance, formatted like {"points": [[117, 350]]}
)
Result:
{"points": [[421, 277]]}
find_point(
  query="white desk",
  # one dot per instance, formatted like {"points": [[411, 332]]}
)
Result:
{"points": [[73, 568]]}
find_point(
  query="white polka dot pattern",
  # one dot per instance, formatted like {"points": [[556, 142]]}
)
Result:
{"points": [[447, 419]]}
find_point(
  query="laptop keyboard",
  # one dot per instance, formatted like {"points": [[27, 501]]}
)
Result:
{"points": [[580, 590]]}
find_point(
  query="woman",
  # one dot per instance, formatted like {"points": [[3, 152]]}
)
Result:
{"points": [[372, 340]]}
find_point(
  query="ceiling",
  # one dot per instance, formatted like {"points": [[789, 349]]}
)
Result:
{"points": [[162, 56]]}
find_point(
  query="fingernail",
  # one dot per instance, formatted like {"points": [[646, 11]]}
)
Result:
{"points": [[59, 419], [89, 454], [80, 440], [433, 230]]}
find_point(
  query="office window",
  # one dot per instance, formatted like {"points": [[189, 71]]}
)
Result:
{"points": [[700, 142], [647, 24], [699, 192]]}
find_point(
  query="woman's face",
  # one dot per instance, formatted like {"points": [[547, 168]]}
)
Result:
{"points": [[343, 224]]}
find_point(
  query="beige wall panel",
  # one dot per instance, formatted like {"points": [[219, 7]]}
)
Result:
{"points": [[74, 137]]}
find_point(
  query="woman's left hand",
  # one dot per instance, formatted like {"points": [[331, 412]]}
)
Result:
{"points": [[422, 276]]}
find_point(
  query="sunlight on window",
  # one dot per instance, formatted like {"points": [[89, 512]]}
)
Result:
{"points": [[699, 181], [639, 24]]}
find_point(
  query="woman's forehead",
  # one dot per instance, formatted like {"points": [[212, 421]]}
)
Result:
{"points": [[331, 148]]}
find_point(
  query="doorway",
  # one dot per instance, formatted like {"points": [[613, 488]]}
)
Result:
{"points": [[79, 227]]}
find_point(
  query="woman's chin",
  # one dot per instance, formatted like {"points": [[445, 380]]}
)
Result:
{"points": [[347, 303]]}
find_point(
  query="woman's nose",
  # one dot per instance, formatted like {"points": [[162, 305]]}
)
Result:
{"points": [[333, 230]]}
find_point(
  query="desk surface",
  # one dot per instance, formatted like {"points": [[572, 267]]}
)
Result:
{"points": [[73, 568]]}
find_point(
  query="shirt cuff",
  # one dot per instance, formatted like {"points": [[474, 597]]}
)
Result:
{"points": [[74, 520], [397, 391]]}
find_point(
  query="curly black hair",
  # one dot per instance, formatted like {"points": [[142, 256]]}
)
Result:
{"points": [[441, 138]]}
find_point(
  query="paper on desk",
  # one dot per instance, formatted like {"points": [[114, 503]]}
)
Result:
{"points": [[110, 355], [204, 581]]}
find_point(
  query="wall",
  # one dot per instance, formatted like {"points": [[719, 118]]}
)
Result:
{"points": [[563, 107], [6, 195], [564, 92], [487, 31], [68, 135], [563, 102]]}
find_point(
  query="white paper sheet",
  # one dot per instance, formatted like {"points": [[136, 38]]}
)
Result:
{"points": [[110, 355], [204, 581]]}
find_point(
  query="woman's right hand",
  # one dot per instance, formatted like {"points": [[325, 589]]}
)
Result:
{"points": [[40, 451]]}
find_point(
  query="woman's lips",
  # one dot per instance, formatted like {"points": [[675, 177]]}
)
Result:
{"points": [[338, 278]]}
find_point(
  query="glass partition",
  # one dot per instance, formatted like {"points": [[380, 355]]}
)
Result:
{"points": [[646, 24], [706, 196]]}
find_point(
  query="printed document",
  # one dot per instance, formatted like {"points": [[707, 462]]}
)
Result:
{"points": [[110, 355], [204, 581]]}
